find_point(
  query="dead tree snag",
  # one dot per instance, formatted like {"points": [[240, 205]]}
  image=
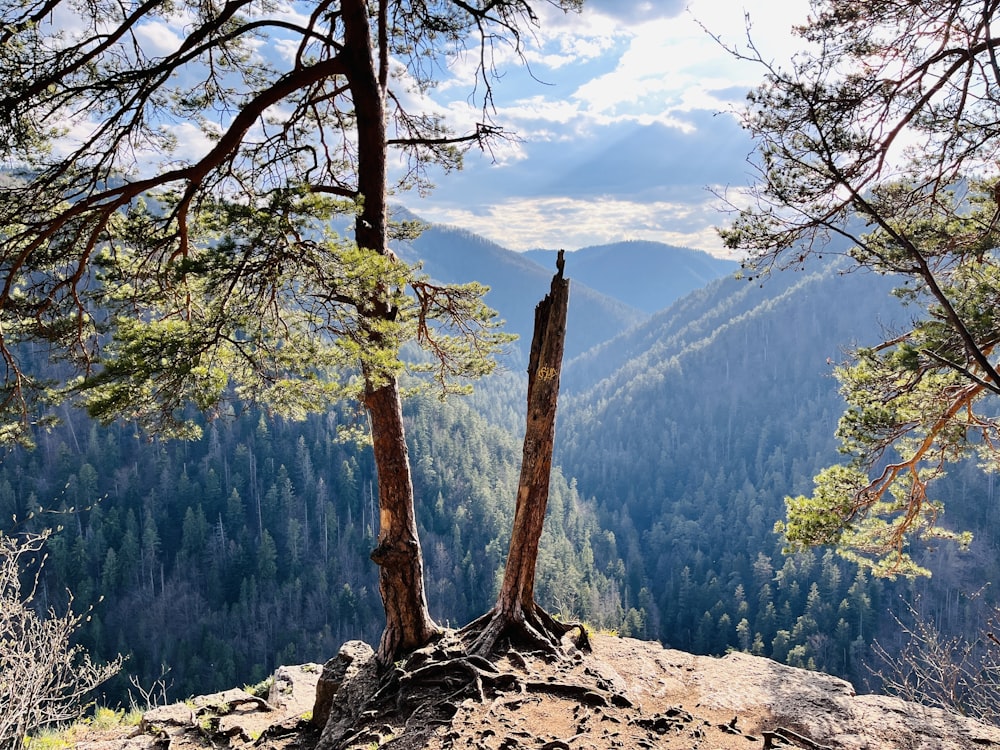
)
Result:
{"points": [[516, 617]]}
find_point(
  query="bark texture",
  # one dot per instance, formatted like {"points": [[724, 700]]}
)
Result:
{"points": [[516, 615], [544, 370], [408, 624], [398, 555]]}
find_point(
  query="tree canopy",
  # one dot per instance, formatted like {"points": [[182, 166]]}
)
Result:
{"points": [[167, 200], [173, 173], [879, 140]]}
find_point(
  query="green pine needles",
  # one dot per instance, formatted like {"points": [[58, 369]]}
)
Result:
{"points": [[878, 142], [266, 306]]}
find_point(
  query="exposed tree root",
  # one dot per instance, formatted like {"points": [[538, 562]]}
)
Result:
{"points": [[428, 688], [533, 629]]}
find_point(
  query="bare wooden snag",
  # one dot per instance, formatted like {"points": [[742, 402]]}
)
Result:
{"points": [[516, 616]]}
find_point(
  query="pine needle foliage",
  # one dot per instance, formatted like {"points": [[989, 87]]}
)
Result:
{"points": [[879, 142]]}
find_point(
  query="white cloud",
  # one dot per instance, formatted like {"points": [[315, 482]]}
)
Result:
{"points": [[572, 40], [158, 38], [648, 62], [74, 132], [538, 110], [286, 48], [192, 142], [675, 64], [618, 124], [554, 222]]}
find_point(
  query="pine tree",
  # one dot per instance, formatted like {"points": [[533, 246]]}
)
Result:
{"points": [[879, 143], [217, 279]]}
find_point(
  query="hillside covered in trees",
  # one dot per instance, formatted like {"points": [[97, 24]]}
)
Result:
{"points": [[197, 243], [676, 443]]}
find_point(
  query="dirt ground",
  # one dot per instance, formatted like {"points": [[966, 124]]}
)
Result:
{"points": [[623, 693]]}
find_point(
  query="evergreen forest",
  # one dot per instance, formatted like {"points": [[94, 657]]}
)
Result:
{"points": [[209, 563]]}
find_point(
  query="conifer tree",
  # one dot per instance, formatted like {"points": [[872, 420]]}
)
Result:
{"points": [[879, 141], [169, 278]]}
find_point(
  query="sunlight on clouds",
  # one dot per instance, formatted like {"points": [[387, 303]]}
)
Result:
{"points": [[74, 131], [538, 109], [461, 67], [675, 65], [615, 70], [771, 32], [551, 60], [583, 43], [412, 97], [571, 224], [286, 48], [560, 41], [570, 42], [286, 12], [192, 142], [639, 75], [158, 38], [587, 47]]}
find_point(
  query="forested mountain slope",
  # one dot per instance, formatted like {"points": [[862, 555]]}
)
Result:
{"points": [[690, 322], [517, 284], [649, 275], [699, 423], [223, 558], [676, 443]]}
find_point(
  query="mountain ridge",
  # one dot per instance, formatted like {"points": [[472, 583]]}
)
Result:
{"points": [[649, 275], [516, 284], [613, 287], [673, 454]]}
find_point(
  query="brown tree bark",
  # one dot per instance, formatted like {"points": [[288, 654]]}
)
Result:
{"points": [[544, 370], [398, 555], [516, 615], [408, 624]]}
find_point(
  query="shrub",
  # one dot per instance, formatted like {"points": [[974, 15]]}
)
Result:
{"points": [[44, 678]]}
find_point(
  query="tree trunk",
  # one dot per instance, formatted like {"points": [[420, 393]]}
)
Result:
{"points": [[408, 624], [516, 614], [544, 369], [401, 579]]}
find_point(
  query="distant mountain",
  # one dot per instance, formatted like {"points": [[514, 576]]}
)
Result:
{"points": [[690, 429], [676, 440], [837, 308], [646, 275], [727, 333], [517, 284]]}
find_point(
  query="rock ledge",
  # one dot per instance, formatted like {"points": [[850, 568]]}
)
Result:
{"points": [[625, 694]]}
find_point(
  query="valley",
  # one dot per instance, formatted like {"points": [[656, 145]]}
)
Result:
{"points": [[681, 429]]}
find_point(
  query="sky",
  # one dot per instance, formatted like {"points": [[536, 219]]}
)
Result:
{"points": [[624, 124], [622, 116]]}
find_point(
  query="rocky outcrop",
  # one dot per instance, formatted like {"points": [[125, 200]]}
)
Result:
{"points": [[232, 718], [346, 679], [629, 694], [769, 697], [624, 694]]}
